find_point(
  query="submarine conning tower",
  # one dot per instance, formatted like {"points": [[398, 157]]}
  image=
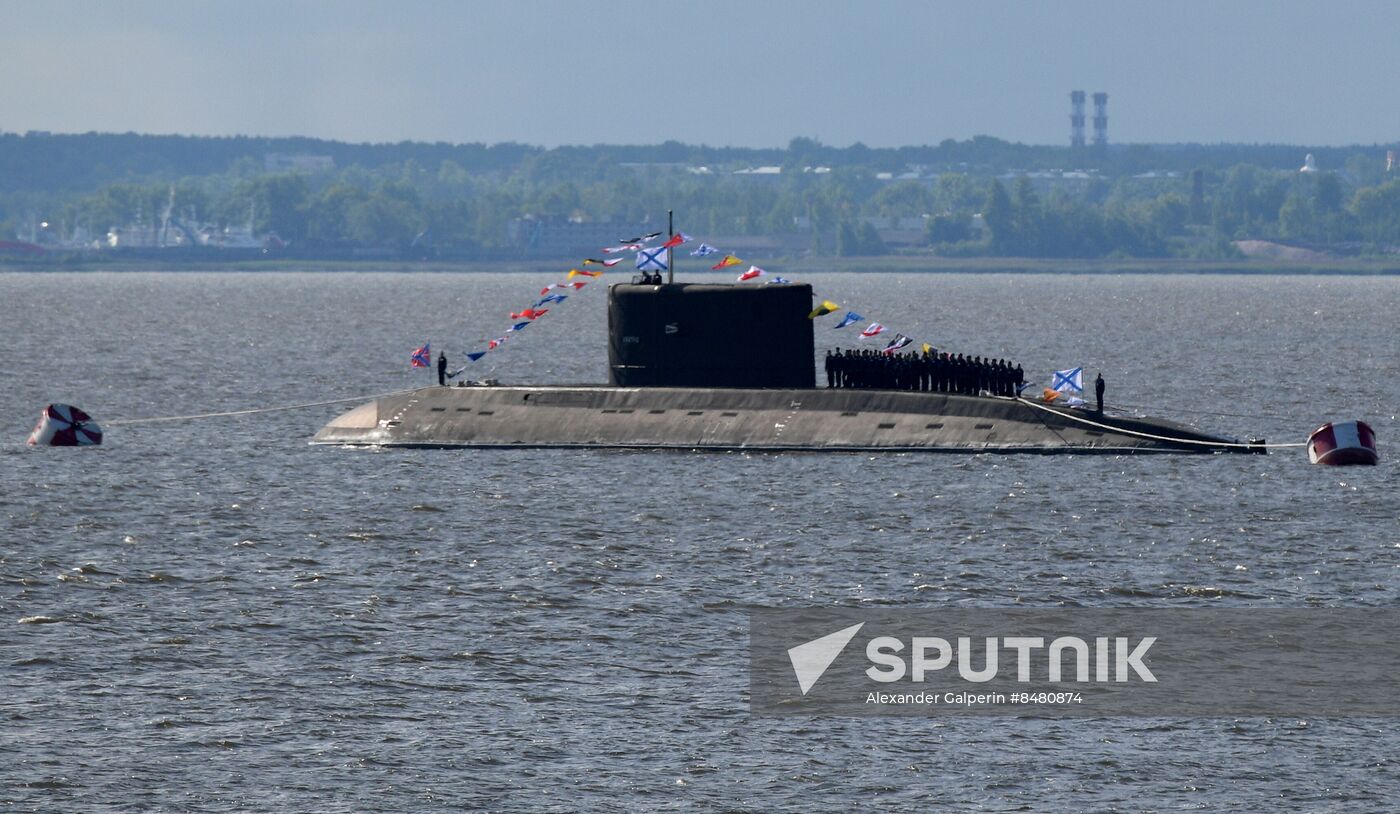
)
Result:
{"points": [[710, 335]]}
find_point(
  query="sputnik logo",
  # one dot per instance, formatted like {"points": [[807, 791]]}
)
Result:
{"points": [[810, 660]]}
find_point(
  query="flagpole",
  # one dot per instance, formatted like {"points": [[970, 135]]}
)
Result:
{"points": [[671, 252]]}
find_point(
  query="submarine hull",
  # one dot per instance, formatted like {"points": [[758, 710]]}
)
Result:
{"points": [[747, 419]]}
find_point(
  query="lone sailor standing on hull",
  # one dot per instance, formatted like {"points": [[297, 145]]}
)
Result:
{"points": [[442, 368], [1098, 391]]}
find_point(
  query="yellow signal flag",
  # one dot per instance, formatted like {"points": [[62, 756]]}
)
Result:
{"points": [[729, 260], [1050, 395], [825, 308], [577, 273], [927, 348]]}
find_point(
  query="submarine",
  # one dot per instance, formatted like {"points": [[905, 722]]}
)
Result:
{"points": [[682, 377]]}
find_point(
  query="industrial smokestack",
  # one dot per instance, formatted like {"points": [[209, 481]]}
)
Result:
{"points": [[1076, 119], [1101, 120]]}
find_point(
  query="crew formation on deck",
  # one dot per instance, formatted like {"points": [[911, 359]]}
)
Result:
{"points": [[930, 372]]}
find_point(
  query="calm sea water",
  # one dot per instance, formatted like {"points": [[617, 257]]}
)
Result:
{"points": [[222, 618]]}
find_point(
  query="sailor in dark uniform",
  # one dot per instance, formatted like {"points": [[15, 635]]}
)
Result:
{"points": [[1098, 391], [830, 369], [442, 368]]}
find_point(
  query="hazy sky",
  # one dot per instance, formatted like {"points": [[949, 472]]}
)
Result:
{"points": [[750, 73]]}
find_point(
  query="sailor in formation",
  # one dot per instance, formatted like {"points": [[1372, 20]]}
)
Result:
{"points": [[929, 372]]}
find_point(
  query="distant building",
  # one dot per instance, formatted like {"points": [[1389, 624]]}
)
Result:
{"points": [[297, 162], [1101, 120], [906, 175], [1076, 119], [1044, 181], [760, 172]]}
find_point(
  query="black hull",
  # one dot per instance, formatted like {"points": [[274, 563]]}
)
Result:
{"points": [[820, 420]]}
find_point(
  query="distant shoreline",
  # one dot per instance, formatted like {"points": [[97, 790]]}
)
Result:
{"points": [[886, 264]]}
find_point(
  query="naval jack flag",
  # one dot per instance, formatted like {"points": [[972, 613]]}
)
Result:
{"points": [[651, 259], [1068, 381]]}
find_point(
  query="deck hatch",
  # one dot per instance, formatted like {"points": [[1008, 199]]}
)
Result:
{"points": [[937, 425], [983, 426], [885, 426]]}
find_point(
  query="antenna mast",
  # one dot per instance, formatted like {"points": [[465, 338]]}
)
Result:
{"points": [[671, 252]]}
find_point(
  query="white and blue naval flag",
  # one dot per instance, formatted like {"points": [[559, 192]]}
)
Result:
{"points": [[649, 259], [1068, 381]]}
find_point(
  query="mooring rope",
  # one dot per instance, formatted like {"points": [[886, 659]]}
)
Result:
{"points": [[1150, 436], [252, 411]]}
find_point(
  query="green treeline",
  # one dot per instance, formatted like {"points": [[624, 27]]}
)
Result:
{"points": [[981, 197]]}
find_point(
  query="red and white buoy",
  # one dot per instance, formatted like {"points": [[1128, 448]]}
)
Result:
{"points": [[63, 425], [1343, 443]]}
